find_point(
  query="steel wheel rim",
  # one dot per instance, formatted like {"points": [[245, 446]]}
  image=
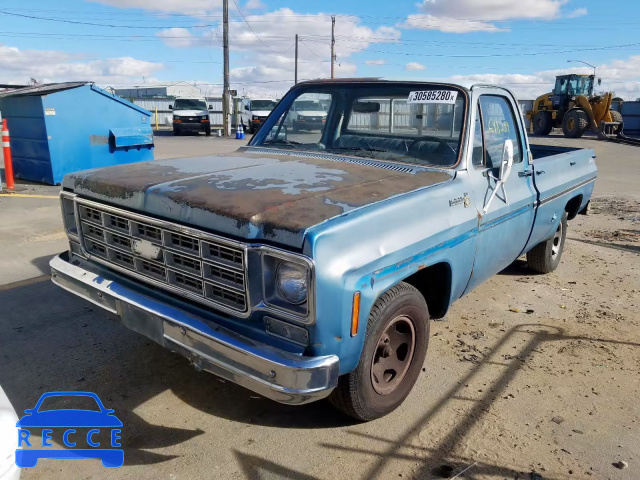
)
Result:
{"points": [[393, 355], [557, 238]]}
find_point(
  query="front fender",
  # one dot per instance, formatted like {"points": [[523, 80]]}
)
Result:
{"points": [[355, 253]]}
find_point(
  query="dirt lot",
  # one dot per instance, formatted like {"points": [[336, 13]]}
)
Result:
{"points": [[529, 373]]}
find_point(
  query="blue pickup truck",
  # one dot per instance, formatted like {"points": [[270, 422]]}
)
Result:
{"points": [[308, 263]]}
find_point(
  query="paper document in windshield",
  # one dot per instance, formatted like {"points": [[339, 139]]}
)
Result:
{"points": [[433, 96]]}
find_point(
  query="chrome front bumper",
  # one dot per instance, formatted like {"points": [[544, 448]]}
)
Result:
{"points": [[273, 373]]}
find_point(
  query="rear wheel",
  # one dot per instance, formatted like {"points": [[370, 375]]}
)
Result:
{"points": [[545, 257], [394, 350], [575, 123], [542, 123]]}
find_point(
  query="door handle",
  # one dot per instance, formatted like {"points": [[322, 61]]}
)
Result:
{"points": [[526, 173], [539, 172], [571, 164]]}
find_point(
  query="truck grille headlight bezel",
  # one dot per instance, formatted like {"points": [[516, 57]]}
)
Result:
{"points": [[272, 261], [217, 262]]}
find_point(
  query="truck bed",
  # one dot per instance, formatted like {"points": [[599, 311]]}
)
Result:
{"points": [[541, 151]]}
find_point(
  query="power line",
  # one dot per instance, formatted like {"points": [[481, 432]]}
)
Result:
{"points": [[253, 31]]}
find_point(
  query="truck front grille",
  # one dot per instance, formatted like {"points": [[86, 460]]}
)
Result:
{"points": [[195, 264]]}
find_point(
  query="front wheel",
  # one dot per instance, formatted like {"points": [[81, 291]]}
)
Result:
{"points": [[575, 123], [395, 347], [545, 257], [207, 132]]}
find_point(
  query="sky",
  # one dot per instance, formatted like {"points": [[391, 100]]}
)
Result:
{"points": [[520, 44]]}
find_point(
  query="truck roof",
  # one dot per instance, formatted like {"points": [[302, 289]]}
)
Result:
{"points": [[379, 81]]}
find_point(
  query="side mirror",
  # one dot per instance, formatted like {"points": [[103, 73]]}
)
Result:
{"points": [[246, 107], [210, 107], [170, 107], [277, 134], [505, 170], [599, 81]]}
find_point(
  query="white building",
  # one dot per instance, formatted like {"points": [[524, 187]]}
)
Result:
{"points": [[177, 89]]}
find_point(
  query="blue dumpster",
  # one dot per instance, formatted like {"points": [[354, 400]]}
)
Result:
{"points": [[65, 127]]}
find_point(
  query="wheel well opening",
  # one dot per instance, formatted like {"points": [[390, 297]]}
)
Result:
{"points": [[434, 283], [573, 206]]}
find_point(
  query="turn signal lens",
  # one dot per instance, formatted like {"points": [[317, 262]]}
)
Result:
{"points": [[355, 314]]}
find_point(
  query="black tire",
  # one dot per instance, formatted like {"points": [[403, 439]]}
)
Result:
{"points": [[574, 123], [356, 394], [615, 115], [545, 257], [542, 123], [207, 131], [294, 127], [176, 131]]}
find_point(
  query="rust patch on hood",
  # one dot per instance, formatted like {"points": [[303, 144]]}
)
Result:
{"points": [[249, 195]]}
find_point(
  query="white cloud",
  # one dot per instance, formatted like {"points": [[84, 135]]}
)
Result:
{"points": [[177, 37], [461, 16], [415, 66], [190, 7], [55, 66], [578, 12], [620, 76], [254, 5], [378, 61], [269, 60]]}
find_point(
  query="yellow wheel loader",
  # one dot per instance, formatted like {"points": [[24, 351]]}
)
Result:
{"points": [[573, 107]]}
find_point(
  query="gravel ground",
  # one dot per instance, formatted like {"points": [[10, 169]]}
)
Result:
{"points": [[530, 376]]}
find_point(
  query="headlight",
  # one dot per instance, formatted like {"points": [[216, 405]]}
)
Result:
{"points": [[291, 282], [255, 117], [287, 284], [205, 117]]}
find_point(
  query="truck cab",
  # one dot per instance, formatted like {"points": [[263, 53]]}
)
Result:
{"points": [[190, 115]]}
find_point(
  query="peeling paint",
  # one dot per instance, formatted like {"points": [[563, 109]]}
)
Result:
{"points": [[271, 197]]}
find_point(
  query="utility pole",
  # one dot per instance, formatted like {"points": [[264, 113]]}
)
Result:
{"points": [[333, 45], [226, 124], [295, 81]]}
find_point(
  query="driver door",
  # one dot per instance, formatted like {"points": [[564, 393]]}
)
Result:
{"points": [[504, 229]]}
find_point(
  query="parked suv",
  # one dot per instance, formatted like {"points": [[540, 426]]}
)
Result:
{"points": [[190, 115]]}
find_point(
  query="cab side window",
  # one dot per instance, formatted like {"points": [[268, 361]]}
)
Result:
{"points": [[499, 124], [478, 144]]}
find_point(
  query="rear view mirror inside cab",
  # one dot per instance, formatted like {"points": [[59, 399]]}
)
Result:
{"points": [[366, 107]]}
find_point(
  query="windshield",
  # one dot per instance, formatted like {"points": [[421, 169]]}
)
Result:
{"points": [[574, 85], [263, 105], [303, 105], [189, 104], [410, 123]]}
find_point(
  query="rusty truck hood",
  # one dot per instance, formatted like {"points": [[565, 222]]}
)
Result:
{"points": [[251, 194]]}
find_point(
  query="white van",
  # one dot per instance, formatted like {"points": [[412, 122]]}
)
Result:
{"points": [[255, 111], [190, 115]]}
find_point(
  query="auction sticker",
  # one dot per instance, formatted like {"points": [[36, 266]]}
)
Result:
{"points": [[433, 96]]}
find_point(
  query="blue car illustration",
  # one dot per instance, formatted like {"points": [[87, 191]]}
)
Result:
{"points": [[69, 419]]}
